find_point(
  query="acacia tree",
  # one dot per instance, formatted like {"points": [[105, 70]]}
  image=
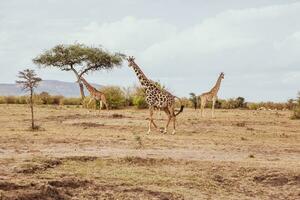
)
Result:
{"points": [[79, 59], [29, 81]]}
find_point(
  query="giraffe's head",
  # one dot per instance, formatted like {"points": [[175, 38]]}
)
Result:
{"points": [[130, 60], [222, 75]]}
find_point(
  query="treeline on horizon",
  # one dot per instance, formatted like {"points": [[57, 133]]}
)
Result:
{"points": [[119, 98]]}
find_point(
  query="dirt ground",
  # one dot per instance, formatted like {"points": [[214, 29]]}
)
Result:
{"points": [[81, 154]]}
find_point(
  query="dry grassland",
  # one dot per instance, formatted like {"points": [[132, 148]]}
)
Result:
{"points": [[81, 154]]}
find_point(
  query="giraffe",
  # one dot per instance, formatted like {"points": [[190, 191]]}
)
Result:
{"points": [[95, 94], [156, 98], [211, 96]]}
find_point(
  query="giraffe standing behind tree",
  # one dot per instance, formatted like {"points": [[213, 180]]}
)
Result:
{"points": [[95, 94], [156, 98], [211, 96]]}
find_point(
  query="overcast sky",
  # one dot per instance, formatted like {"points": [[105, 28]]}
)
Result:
{"points": [[184, 44]]}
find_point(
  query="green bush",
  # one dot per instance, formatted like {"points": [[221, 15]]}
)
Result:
{"points": [[139, 98], [115, 97], [128, 92], [296, 111], [252, 106]]}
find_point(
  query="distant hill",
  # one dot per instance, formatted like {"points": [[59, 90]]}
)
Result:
{"points": [[53, 87]]}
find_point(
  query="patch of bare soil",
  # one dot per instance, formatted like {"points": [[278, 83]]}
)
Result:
{"points": [[63, 117], [139, 161], [7, 186], [126, 192], [81, 158], [277, 179], [68, 183], [31, 168], [67, 188], [154, 194], [88, 124], [33, 192], [115, 115]]}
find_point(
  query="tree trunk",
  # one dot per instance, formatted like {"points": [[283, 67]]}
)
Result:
{"points": [[31, 108], [81, 89]]}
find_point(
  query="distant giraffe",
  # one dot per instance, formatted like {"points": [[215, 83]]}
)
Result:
{"points": [[211, 96], [95, 94], [156, 98]]}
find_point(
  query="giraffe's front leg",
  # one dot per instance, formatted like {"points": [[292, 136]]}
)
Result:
{"points": [[101, 105], [213, 108], [151, 109], [88, 105], [167, 111]]}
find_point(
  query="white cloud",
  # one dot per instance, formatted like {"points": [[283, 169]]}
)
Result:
{"points": [[248, 30], [129, 34]]}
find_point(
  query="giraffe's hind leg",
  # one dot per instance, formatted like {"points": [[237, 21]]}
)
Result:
{"points": [[174, 119], [213, 108], [203, 102]]}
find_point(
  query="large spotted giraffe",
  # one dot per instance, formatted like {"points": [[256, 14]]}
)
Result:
{"points": [[211, 96], [95, 94], [156, 98]]}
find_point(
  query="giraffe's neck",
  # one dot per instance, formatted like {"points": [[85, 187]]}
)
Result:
{"points": [[216, 88], [141, 76], [90, 88]]}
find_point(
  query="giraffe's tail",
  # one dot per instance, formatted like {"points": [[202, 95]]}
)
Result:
{"points": [[181, 107]]}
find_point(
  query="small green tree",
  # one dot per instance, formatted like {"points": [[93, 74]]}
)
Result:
{"points": [[291, 103], [29, 81], [240, 102], [194, 100], [296, 111], [115, 96], [79, 59]]}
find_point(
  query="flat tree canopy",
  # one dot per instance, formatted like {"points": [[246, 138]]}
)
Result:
{"points": [[78, 58]]}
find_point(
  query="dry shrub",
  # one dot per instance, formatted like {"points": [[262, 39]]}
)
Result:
{"points": [[89, 103], [70, 101]]}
